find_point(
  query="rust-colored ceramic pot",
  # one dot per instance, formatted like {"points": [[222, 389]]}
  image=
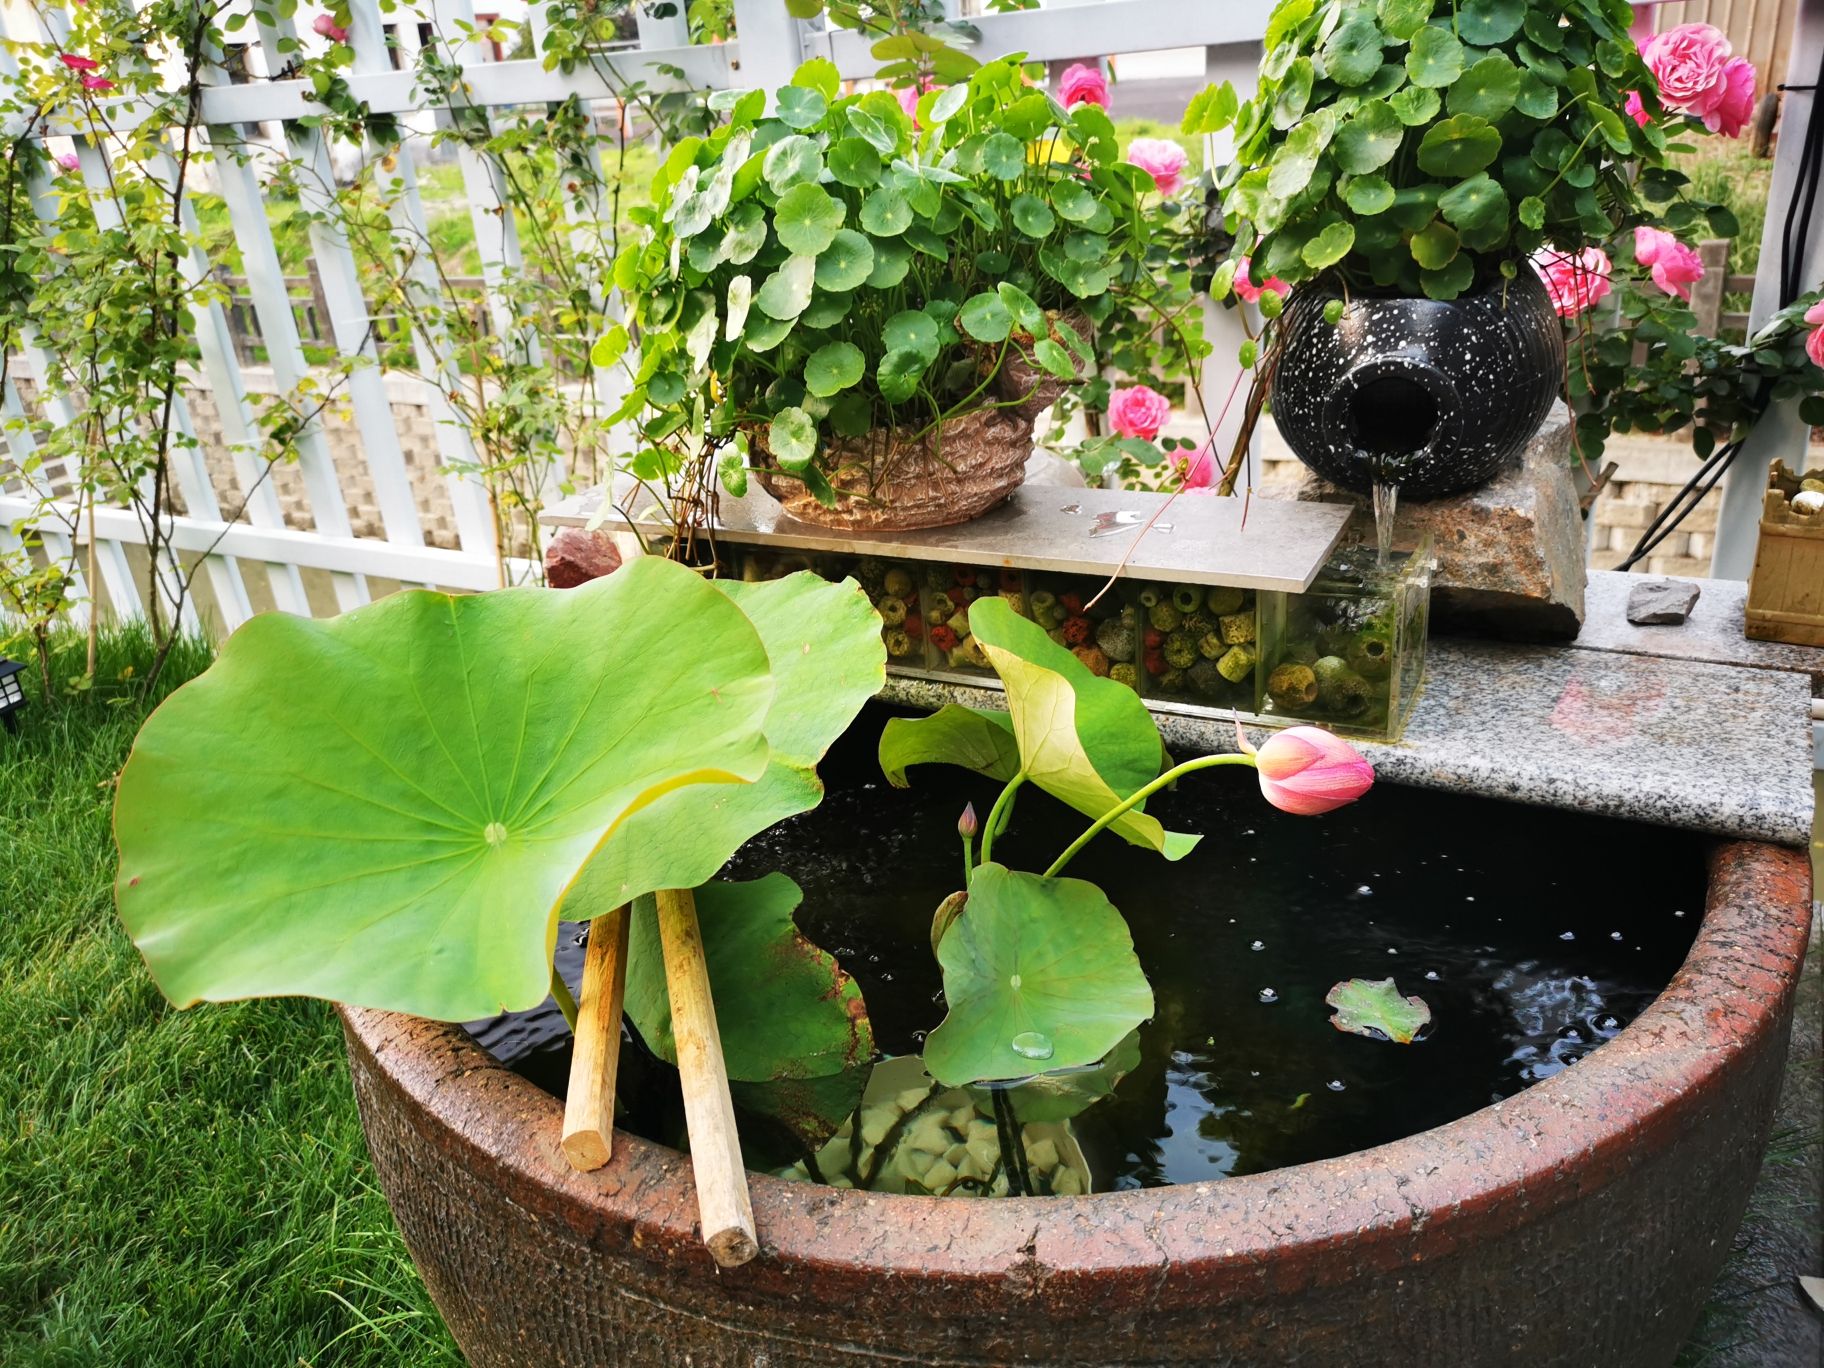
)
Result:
{"points": [[1580, 1222]]}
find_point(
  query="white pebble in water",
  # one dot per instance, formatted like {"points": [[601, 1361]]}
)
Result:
{"points": [[1268, 995]]}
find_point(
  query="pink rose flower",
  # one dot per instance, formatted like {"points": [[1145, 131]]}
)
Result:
{"points": [[68, 161], [1815, 314], [1814, 347], [1082, 84], [1636, 110], [1307, 771], [75, 63], [1699, 75], [1197, 472], [327, 27], [1676, 267], [1575, 283], [97, 83], [1161, 159], [1248, 292], [1138, 412]]}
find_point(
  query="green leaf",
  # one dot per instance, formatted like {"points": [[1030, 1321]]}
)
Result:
{"points": [[1478, 207], [1436, 58], [1068, 1093], [1073, 201], [819, 74], [410, 852], [1436, 246], [976, 739], [1296, 160], [948, 103], [1004, 157], [855, 163], [899, 373], [1022, 307], [1087, 741], [807, 218], [1459, 147], [846, 263], [1031, 215], [1211, 110], [1370, 139], [1054, 359], [1449, 282], [1376, 1009], [1294, 93], [1488, 88], [1039, 974], [1285, 19], [834, 367], [1352, 57], [792, 438], [911, 330], [1532, 212], [1415, 105], [1404, 18], [886, 212], [745, 236], [1330, 246], [793, 160], [1535, 98], [609, 348], [873, 131], [787, 291], [1368, 195], [731, 470], [800, 106], [1487, 22], [892, 263], [985, 318]]}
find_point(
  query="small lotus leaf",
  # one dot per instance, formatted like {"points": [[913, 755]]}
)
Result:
{"points": [[1376, 1009]]}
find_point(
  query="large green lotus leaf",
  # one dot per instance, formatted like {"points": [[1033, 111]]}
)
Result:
{"points": [[827, 660], [953, 735], [1085, 740], [385, 808], [1039, 974], [784, 1008]]}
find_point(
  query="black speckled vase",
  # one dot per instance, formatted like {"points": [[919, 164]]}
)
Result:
{"points": [[1436, 398]]}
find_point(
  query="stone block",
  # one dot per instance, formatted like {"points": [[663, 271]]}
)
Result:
{"points": [[1510, 554]]}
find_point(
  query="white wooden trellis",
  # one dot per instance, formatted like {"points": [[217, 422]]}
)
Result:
{"points": [[772, 45]]}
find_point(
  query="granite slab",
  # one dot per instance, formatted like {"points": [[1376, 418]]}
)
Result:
{"points": [[1679, 743], [1714, 632], [1248, 544]]}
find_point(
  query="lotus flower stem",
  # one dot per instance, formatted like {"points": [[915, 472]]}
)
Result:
{"points": [[1137, 797], [999, 815], [588, 1139]]}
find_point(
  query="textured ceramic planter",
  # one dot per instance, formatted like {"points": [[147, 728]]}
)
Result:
{"points": [[1580, 1222], [1436, 398]]}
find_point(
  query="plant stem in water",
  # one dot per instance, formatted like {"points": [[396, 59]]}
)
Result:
{"points": [[999, 815]]}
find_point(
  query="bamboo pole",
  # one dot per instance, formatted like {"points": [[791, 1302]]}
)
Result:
{"points": [[723, 1208], [588, 1140]]}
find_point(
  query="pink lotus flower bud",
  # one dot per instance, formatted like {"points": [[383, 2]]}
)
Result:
{"points": [[327, 27], [1138, 411], [1161, 159], [1248, 292], [967, 825], [75, 63], [1081, 84], [1574, 282], [1307, 770], [1675, 266]]}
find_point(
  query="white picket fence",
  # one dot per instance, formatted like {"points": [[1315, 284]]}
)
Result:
{"points": [[259, 543]]}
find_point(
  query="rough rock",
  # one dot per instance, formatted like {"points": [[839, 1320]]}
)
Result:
{"points": [[1510, 554], [1662, 602], [574, 556]]}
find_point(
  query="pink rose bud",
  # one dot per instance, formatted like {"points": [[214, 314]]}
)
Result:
{"points": [[327, 27], [97, 83], [75, 63], [1574, 282], [1636, 110], [1161, 159], [68, 161], [1197, 472], [1676, 267], [1248, 292], [1082, 84], [1814, 347], [1138, 412], [1815, 314], [966, 825], [1307, 770]]}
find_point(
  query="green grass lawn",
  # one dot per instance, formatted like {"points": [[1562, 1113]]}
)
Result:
{"points": [[176, 1188]]}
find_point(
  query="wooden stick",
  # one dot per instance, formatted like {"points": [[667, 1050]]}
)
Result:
{"points": [[726, 1214], [588, 1141]]}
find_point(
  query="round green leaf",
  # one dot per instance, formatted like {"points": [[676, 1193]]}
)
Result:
{"points": [[1436, 58], [1352, 56], [1459, 147], [1488, 88], [1369, 140], [1415, 105], [1535, 98], [1436, 246], [793, 160], [1368, 195], [985, 318], [833, 368], [801, 106], [1330, 246], [1039, 974], [1403, 18], [892, 263], [1487, 22], [877, 134], [1376, 1009], [792, 438], [820, 73], [1073, 201], [855, 163], [1451, 281], [1031, 215], [846, 263], [807, 218], [1532, 212], [1054, 359], [899, 373], [745, 235], [1296, 161], [409, 852], [886, 212], [787, 291], [1022, 307], [1294, 94], [1004, 157], [944, 108], [1477, 205], [912, 330]]}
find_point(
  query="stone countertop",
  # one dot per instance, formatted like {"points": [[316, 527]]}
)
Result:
{"points": [[1714, 631], [1680, 743]]}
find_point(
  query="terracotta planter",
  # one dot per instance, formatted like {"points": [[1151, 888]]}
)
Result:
{"points": [[898, 481], [1579, 1222]]}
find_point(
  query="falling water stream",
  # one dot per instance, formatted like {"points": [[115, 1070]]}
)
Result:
{"points": [[1386, 507]]}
